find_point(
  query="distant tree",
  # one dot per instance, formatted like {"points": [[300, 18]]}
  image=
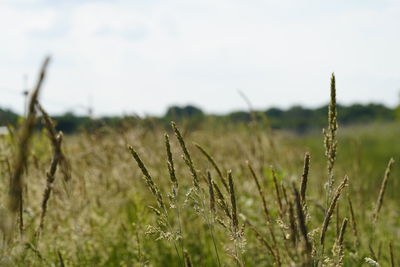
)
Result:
{"points": [[397, 113], [7, 117], [274, 113], [397, 110], [358, 113], [189, 111], [239, 116], [69, 122]]}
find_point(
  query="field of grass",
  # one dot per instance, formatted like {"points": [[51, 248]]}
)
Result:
{"points": [[233, 195]]}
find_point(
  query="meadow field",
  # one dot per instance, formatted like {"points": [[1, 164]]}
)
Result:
{"points": [[225, 195]]}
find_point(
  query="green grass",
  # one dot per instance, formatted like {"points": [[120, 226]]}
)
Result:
{"points": [[101, 216]]}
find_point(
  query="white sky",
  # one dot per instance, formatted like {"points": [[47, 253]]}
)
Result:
{"points": [[144, 55]]}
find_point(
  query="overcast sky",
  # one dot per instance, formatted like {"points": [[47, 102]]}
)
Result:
{"points": [[144, 55]]}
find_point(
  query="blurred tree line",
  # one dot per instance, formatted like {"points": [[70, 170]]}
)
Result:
{"points": [[296, 118]]}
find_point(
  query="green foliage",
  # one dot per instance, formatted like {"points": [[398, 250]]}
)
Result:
{"points": [[397, 113], [7, 117], [297, 118], [177, 113]]}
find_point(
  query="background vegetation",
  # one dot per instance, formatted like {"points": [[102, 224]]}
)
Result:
{"points": [[298, 119]]}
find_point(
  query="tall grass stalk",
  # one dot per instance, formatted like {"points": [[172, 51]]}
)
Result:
{"points": [[56, 140], [330, 141], [264, 203], [304, 178], [382, 190], [211, 221], [302, 225], [17, 182], [331, 209], [214, 164], [186, 156]]}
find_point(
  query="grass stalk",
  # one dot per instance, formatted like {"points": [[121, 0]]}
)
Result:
{"points": [[16, 187], [382, 190], [331, 209]]}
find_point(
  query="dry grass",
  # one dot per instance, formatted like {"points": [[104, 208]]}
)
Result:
{"points": [[216, 207]]}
